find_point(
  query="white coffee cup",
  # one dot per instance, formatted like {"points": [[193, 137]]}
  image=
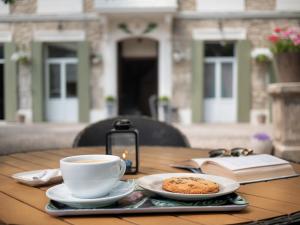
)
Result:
{"points": [[91, 176]]}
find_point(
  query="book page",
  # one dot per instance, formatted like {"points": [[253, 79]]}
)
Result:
{"points": [[244, 162]]}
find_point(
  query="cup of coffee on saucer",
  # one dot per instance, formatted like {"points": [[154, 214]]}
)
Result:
{"points": [[91, 176]]}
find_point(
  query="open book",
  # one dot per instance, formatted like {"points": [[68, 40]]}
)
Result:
{"points": [[244, 169]]}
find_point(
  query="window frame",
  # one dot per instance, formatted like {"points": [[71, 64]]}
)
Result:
{"points": [[218, 73]]}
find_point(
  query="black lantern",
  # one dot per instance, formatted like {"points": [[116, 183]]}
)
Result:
{"points": [[123, 141]]}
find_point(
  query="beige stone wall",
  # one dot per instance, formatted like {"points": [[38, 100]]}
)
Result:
{"points": [[29, 6], [23, 6], [88, 5], [260, 5], [187, 5], [250, 5], [257, 32], [23, 37]]}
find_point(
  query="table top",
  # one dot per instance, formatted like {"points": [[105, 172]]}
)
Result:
{"points": [[20, 204]]}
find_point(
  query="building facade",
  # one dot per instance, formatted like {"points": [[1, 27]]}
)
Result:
{"points": [[86, 60]]}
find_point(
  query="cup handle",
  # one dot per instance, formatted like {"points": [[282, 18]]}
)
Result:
{"points": [[122, 168]]}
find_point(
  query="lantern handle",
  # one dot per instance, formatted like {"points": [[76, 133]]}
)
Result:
{"points": [[122, 168], [122, 124]]}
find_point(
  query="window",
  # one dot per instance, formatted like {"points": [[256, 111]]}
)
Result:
{"points": [[220, 5], [219, 70], [288, 5], [55, 81], [71, 80], [4, 8], [66, 51], [59, 6], [209, 79], [217, 49]]}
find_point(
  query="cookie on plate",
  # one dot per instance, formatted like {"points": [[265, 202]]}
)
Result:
{"points": [[190, 185]]}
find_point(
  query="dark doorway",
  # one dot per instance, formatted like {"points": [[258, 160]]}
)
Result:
{"points": [[1, 83], [137, 77]]}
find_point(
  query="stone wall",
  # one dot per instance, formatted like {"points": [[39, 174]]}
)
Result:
{"points": [[187, 5], [29, 6], [23, 37], [257, 32], [24, 7], [250, 5], [258, 5]]}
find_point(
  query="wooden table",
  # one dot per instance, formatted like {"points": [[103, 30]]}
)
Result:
{"points": [[20, 204]]}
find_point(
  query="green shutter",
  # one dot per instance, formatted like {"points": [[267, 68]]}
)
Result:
{"points": [[197, 80], [273, 74], [83, 87], [243, 49], [37, 82], [10, 83]]}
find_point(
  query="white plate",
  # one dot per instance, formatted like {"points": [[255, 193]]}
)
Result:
{"points": [[60, 193], [153, 183], [31, 178]]}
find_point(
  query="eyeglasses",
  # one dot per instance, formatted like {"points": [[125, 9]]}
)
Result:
{"points": [[221, 152]]}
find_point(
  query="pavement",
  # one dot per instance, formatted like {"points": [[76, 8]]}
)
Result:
{"points": [[16, 137]]}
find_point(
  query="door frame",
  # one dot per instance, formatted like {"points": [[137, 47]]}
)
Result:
{"points": [[119, 57], [2, 61], [62, 62], [162, 34], [218, 61]]}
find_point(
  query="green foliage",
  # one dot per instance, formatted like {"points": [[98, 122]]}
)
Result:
{"points": [[110, 98], [262, 58], [285, 40], [8, 1], [164, 99], [285, 46], [150, 27], [124, 28]]}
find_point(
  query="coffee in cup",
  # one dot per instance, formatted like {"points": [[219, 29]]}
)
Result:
{"points": [[91, 176]]}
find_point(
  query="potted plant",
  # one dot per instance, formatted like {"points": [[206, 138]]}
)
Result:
{"points": [[261, 143], [21, 57], [164, 103], [110, 105], [262, 57], [8, 1], [286, 49]]}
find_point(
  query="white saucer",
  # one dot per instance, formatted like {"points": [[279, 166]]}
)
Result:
{"points": [[60, 193], [153, 183]]}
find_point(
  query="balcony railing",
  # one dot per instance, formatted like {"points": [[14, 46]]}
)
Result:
{"points": [[136, 5]]}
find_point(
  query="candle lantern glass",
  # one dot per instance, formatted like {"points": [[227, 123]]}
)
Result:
{"points": [[122, 141]]}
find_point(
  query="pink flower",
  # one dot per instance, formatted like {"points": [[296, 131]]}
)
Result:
{"points": [[296, 41], [285, 34], [273, 38], [277, 30]]}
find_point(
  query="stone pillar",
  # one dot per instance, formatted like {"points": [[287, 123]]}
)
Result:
{"points": [[286, 119]]}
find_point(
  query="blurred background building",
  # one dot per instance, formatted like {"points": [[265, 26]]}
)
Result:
{"points": [[86, 60]]}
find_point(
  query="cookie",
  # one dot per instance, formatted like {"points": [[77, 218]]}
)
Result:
{"points": [[190, 185]]}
